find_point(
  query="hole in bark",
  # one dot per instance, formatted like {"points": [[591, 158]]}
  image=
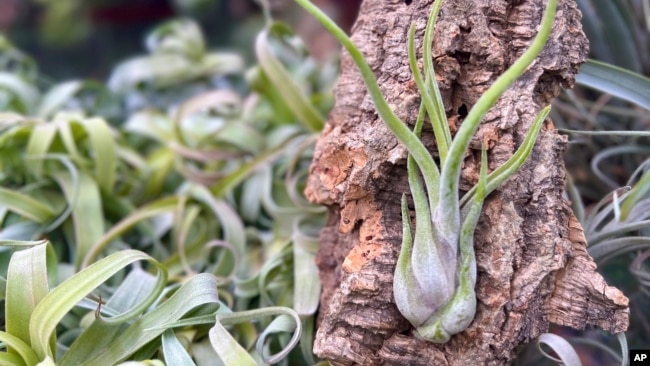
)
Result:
{"points": [[462, 111], [548, 85], [369, 237], [408, 2], [462, 57]]}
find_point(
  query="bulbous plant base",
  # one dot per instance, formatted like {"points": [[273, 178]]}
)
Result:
{"points": [[533, 267]]}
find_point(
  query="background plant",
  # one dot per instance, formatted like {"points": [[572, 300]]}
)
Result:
{"points": [[208, 186], [607, 123]]}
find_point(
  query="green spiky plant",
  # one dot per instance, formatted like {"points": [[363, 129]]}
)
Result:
{"points": [[436, 269]]}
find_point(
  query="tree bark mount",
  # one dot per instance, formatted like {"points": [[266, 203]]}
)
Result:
{"points": [[533, 267]]}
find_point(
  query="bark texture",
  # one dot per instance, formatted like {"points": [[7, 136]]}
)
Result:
{"points": [[533, 267]]}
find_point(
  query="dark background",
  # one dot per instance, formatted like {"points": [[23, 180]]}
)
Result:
{"points": [[86, 39]]}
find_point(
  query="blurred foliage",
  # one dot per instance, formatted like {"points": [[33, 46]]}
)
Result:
{"points": [[70, 21], [86, 38], [618, 32], [607, 163], [199, 163], [64, 21]]}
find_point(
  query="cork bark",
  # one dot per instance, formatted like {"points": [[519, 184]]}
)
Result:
{"points": [[533, 266]]}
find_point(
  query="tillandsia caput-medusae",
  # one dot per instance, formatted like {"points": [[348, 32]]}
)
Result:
{"points": [[435, 274]]}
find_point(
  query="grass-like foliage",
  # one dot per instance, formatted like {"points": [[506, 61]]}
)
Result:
{"points": [[175, 231], [436, 270]]}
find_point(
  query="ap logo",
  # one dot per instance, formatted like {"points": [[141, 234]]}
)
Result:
{"points": [[639, 357]]}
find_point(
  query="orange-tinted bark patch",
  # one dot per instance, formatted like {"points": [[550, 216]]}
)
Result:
{"points": [[360, 255]]}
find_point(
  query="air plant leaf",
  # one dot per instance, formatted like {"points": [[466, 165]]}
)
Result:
{"points": [[567, 354], [229, 351], [26, 286], [286, 87], [458, 313], [436, 270], [443, 136], [51, 309], [306, 293], [22, 95], [428, 282], [26, 206], [288, 321], [24, 353], [182, 37], [156, 208], [505, 171], [57, 97], [175, 353], [616, 81], [104, 151], [198, 290], [84, 199], [640, 191]]}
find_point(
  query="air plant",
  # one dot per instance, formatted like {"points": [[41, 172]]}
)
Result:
{"points": [[435, 274], [209, 187]]}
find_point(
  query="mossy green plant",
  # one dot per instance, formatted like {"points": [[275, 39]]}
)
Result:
{"points": [[435, 274]]}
